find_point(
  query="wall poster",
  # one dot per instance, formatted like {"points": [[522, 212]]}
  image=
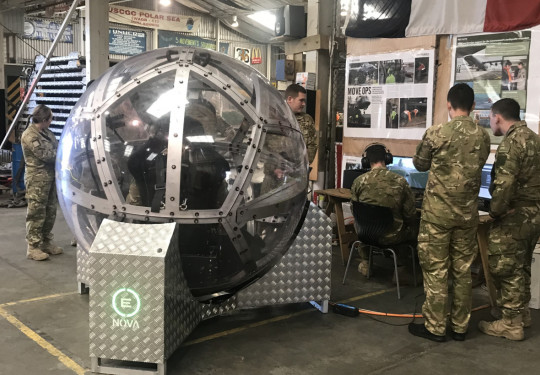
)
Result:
{"points": [[45, 29], [154, 20], [172, 39], [389, 95], [243, 54], [126, 42], [496, 66]]}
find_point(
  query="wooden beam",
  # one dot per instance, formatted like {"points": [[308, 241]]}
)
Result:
{"points": [[310, 43]]}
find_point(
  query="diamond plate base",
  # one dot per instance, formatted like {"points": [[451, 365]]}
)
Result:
{"points": [[140, 306], [144, 258]]}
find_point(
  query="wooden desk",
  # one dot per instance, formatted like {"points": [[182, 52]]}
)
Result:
{"points": [[335, 198], [482, 236]]}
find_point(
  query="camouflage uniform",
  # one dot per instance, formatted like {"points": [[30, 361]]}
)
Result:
{"points": [[513, 236], [454, 153], [39, 150], [385, 188], [281, 156], [307, 126]]}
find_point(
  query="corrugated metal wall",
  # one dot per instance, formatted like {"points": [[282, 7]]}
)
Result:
{"points": [[13, 21], [27, 49], [207, 30]]}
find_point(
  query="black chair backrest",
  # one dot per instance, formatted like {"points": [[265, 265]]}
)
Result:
{"points": [[372, 222]]}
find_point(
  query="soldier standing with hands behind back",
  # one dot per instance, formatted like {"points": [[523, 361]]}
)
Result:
{"points": [[454, 153], [39, 149], [515, 208]]}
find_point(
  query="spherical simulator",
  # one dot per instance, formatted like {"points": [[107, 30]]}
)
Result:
{"points": [[195, 137]]}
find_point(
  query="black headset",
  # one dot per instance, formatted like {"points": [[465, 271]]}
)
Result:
{"points": [[388, 157]]}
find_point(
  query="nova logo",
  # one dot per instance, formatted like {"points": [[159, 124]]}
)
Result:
{"points": [[126, 303], [125, 323]]}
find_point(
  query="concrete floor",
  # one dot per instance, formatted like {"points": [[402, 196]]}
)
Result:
{"points": [[44, 327]]}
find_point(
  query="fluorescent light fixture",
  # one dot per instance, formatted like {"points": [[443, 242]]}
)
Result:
{"points": [[234, 21], [265, 17], [165, 2], [201, 139]]}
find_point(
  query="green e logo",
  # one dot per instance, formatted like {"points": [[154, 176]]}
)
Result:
{"points": [[126, 302]]}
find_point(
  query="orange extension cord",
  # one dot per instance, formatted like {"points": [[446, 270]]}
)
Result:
{"points": [[378, 313]]}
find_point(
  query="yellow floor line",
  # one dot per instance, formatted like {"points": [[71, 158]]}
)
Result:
{"points": [[273, 320], [38, 299], [68, 362], [367, 295]]}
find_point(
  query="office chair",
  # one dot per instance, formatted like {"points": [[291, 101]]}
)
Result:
{"points": [[372, 222]]}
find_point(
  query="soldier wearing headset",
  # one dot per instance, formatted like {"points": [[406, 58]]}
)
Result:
{"points": [[382, 187]]}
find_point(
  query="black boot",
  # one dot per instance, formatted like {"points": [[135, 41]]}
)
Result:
{"points": [[420, 330]]}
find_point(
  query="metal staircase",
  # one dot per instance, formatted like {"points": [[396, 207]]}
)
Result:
{"points": [[59, 87]]}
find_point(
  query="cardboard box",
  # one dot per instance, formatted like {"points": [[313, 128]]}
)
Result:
{"points": [[535, 279]]}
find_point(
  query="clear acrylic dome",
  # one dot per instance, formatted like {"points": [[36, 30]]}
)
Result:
{"points": [[195, 137]]}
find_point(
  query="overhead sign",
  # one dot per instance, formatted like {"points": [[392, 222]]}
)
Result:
{"points": [[242, 54], [256, 56], [44, 29], [153, 20], [171, 39], [126, 42]]}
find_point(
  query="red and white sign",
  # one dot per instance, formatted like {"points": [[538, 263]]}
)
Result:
{"points": [[153, 20], [256, 56]]}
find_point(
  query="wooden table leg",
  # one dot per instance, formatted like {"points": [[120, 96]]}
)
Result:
{"points": [[482, 236]]}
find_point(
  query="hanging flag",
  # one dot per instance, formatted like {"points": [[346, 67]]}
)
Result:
{"points": [[471, 16], [400, 18], [446, 17], [503, 15]]}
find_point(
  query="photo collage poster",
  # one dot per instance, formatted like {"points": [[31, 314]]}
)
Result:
{"points": [[496, 66], [389, 95]]}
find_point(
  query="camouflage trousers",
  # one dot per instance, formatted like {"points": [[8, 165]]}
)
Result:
{"points": [[443, 253], [41, 212], [511, 244]]}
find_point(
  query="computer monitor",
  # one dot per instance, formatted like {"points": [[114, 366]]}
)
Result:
{"points": [[403, 165], [486, 182], [349, 175]]}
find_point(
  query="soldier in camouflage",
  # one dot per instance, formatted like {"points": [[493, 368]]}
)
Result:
{"points": [[382, 187], [454, 153], [39, 149], [515, 209], [296, 99], [276, 140]]}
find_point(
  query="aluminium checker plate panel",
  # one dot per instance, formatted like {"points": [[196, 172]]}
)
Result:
{"points": [[141, 308]]}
